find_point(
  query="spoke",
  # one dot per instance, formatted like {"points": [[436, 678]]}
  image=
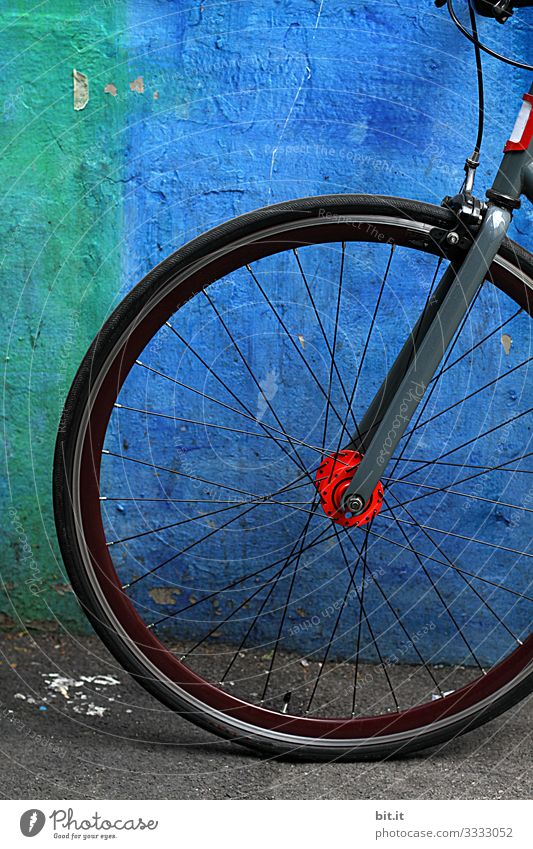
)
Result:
{"points": [[429, 394], [366, 568], [521, 596], [463, 480], [201, 516], [334, 631], [466, 398], [413, 337], [332, 351], [457, 536], [289, 439], [464, 578], [295, 346], [177, 524], [465, 445], [364, 552], [400, 623], [319, 539], [463, 466], [190, 546], [481, 341], [252, 375], [180, 474], [216, 401], [361, 599], [223, 622], [196, 500], [438, 593], [301, 542], [367, 343], [274, 582], [455, 492], [258, 499], [331, 348]]}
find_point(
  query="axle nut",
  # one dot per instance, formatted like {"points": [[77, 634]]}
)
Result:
{"points": [[355, 504]]}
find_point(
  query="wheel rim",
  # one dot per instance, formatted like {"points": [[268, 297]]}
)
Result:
{"points": [[109, 586]]}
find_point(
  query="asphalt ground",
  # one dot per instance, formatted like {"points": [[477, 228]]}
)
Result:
{"points": [[74, 725]]}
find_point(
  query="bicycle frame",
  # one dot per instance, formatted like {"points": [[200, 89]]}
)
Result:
{"points": [[393, 406]]}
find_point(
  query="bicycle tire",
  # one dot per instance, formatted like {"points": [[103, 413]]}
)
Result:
{"points": [[517, 276]]}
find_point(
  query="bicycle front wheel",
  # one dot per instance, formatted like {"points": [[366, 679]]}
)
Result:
{"points": [[187, 496]]}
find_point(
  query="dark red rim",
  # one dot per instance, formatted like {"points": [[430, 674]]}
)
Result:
{"points": [[144, 639]]}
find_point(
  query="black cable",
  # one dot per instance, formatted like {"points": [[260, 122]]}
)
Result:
{"points": [[482, 46], [480, 86]]}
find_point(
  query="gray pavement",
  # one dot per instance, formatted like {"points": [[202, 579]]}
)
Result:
{"points": [[74, 725]]}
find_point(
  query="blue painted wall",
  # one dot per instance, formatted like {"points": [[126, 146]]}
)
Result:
{"points": [[242, 104], [260, 102]]}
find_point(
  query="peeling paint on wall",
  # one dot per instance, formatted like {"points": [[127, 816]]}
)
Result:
{"points": [[164, 595], [507, 342], [137, 85], [81, 89], [110, 89]]}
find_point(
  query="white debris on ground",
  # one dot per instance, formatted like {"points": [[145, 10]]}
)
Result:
{"points": [[72, 690], [29, 699], [61, 684], [90, 709]]}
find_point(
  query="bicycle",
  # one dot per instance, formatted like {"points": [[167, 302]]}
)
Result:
{"points": [[254, 468]]}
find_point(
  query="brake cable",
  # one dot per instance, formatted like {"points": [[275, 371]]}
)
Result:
{"points": [[472, 161], [477, 43], [480, 85]]}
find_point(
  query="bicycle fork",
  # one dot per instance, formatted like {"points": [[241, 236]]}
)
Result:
{"points": [[393, 406]]}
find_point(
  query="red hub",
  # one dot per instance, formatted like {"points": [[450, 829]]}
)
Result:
{"points": [[332, 480]]}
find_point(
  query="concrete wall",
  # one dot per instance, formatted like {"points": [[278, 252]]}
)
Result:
{"points": [[197, 112]]}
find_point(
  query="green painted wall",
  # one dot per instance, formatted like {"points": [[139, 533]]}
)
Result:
{"points": [[60, 258]]}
